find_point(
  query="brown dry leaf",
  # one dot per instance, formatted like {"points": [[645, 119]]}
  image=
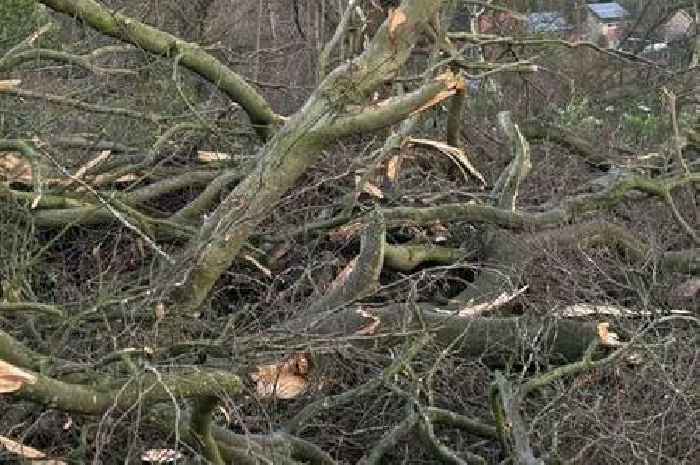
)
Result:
{"points": [[9, 84], [454, 153], [283, 380], [160, 455], [208, 157], [15, 168], [396, 18], [370, 328], [343, 275], [346, 232], [392, 169], [12, 378], [479, 309]]}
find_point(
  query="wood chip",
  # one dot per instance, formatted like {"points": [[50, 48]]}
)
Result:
{"points": [[480, 309], [9, 84], [13, 378], [283, 380]]}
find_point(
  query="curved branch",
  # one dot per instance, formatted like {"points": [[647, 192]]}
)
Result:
{"points": [[409, 257], [363, 277], [389, 440], [148, 390], [508, 184], [568, 209], [201, 424], [291, 152], [10, 61], [193, 212], [161, 43], [388, 112], [539, 130], [451, 419], [446, 455]]}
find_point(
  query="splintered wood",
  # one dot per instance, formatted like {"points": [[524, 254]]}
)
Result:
{"points": [[453, 83], [286, 379], [15, 168], [12, 378], [36, 456], [9, 84], [395, 18]]}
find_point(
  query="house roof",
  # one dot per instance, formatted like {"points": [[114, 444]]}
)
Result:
{"points": [[547, 21], [611, 11]]}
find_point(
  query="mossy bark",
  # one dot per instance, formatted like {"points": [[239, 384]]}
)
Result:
{"points": [[297, 145], [496, 341], [409, 257], [113, 23], [147, 390]]}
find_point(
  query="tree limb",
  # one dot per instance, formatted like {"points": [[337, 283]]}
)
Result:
{"points": [[113, 23], [148, 390], [291, 152], [10, 61]]}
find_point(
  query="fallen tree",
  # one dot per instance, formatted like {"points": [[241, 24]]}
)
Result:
{"points": [[223, 226]]}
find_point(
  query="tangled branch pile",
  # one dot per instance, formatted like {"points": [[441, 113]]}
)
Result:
{"points": [[397, 270]]}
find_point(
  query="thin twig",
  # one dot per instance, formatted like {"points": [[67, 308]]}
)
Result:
{"points": [[108, 205]]}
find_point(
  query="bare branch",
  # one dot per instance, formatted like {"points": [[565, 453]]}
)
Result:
{"points": [[191, 55]]}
